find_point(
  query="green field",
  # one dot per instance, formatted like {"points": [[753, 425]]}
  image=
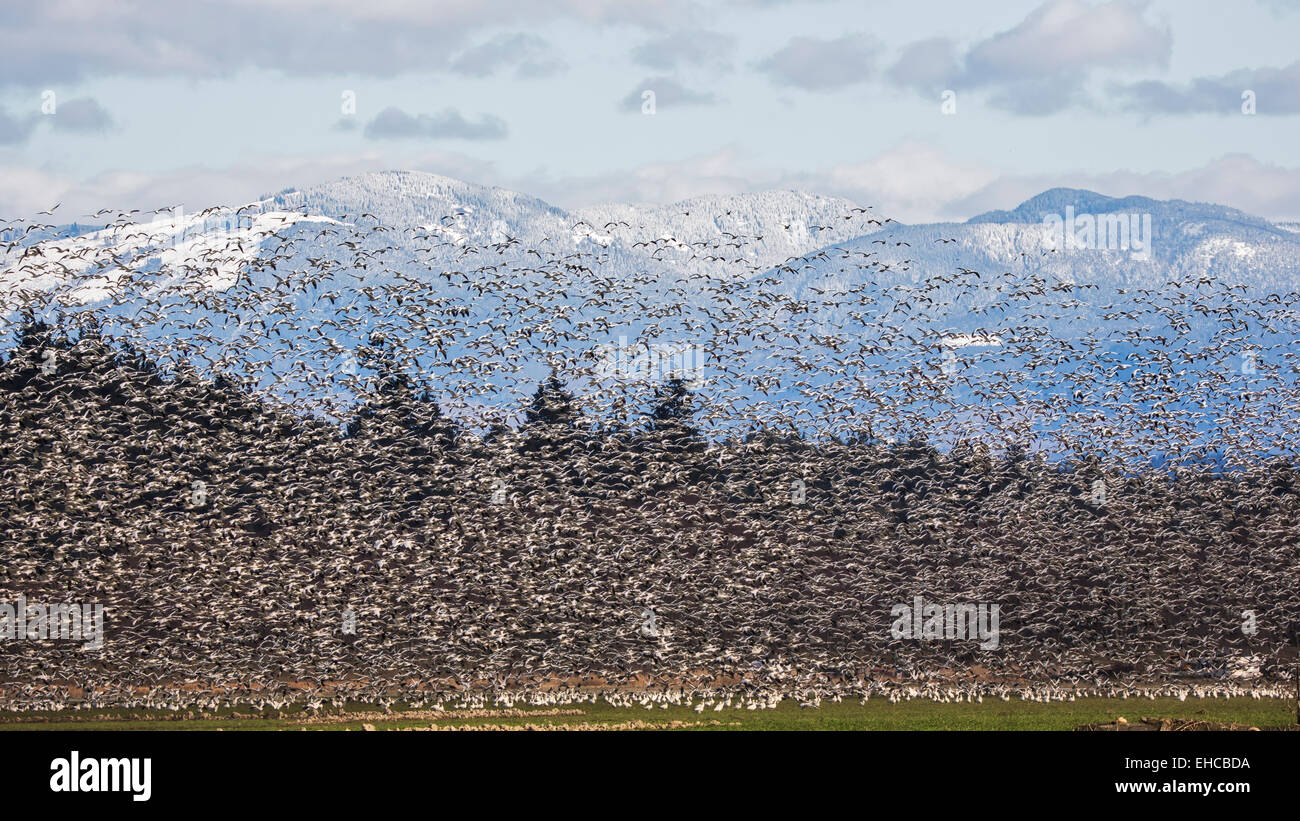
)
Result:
{"points": [[876, 714]]}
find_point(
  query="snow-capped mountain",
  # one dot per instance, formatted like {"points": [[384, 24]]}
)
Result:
{"points": [[458, 211], [753, 231], [1160, 242], [847, 301], [776, 225]]}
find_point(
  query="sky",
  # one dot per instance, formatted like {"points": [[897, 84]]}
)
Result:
{"points": [[927, 111]]}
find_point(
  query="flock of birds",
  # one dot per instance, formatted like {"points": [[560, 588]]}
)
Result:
{"points": [[856, 433]]}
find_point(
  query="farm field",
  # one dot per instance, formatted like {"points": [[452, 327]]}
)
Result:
{"points": [[876, 714]]}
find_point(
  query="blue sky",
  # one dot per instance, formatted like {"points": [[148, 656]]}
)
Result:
{"points": [[159, 103]]}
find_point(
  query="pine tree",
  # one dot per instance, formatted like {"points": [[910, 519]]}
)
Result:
{"points": [[551, 433], [671, 421], [552, 406], [397, 409]]}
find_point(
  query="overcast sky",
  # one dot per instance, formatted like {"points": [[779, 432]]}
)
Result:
{"points": [[153, 102]]}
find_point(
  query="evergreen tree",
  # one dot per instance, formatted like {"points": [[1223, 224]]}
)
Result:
{"points": [[550, 433], [671, 421], [396, 409], [551, 407]]}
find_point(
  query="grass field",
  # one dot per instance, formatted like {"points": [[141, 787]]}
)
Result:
{"points": [[876, 714]]}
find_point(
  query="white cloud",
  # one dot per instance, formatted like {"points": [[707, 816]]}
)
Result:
{"points": [[912, 182], [1277, 92], [83, 115], [530, 55], [822, 65], [717, 172], [926, 66], [685, 48], [1236, 180], [916, 182], [1071, 36], [24, 191], [61, 41], [393, 123], [1043, 64]]}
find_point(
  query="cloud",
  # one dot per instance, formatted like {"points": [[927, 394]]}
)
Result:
{"points": [[1042, 65], [685, 48], [1236, 180], [669, 94], [917, 182], [1063, 36], [1277, 91], [24, 191], [926, 66], [1040, 96], [66, 41], [393, 123], [16, 130], [83, 115], [530, 55], [822, 65], [716, 172], [912, 181]]}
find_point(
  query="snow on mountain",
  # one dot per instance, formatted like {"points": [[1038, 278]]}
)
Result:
{"points": [[228, 243], [764, 228], [526, 285], [417, 200], [788, 222], [748, 232], [1185, 240]]}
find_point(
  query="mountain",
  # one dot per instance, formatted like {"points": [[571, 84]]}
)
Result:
{"points": [[790, 299], [1056, 200], [776, 225], [766, 229], [780, 224], [1166, 245], [1186, 239]]}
